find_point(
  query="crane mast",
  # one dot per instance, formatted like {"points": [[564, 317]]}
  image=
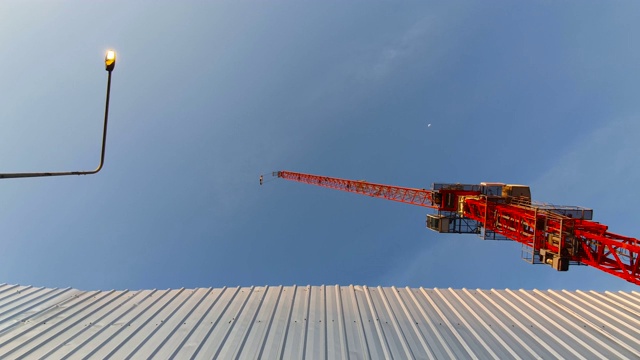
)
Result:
{"points": [[558, 236]]}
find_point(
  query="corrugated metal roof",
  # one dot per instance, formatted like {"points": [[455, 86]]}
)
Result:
{"points": [[318, 322]]}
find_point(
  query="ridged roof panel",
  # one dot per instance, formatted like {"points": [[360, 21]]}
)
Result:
{"points": [[318, 322]]}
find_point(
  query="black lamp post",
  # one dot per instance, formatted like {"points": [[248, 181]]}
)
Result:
{"points": [[110, 63]]}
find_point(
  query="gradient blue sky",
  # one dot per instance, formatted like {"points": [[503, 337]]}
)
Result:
{"points": [[208, 95]]}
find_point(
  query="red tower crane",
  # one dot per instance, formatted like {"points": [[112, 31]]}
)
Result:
{"points": [[555, 235]]}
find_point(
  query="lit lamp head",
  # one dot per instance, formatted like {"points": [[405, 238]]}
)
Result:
{"points": [[110, 60]]}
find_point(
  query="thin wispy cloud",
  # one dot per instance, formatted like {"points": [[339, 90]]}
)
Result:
{"points": [[432, 35]]}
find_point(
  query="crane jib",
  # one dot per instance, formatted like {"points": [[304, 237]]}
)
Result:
{"points": [[554, 235]]}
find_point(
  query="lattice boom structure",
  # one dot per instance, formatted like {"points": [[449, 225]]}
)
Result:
{"points": [[553, 235]]}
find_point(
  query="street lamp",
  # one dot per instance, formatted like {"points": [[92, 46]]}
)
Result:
{"points": [[110, 63]]}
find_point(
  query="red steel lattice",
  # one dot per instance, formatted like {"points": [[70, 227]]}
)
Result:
{"points": [[420, 197], [584, 241]]}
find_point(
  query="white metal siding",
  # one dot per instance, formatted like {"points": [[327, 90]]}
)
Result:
{"points": [[318, 322]]}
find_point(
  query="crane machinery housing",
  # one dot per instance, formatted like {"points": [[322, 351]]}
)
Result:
{"points": [[558, 236]]}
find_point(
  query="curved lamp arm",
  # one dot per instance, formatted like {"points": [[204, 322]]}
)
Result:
{"points": [[110, 62]]}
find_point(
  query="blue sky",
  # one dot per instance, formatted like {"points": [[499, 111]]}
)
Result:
{"points": [[208, 95]]}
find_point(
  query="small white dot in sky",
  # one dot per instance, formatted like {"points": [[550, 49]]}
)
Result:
{"points": [[429, 125]]}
